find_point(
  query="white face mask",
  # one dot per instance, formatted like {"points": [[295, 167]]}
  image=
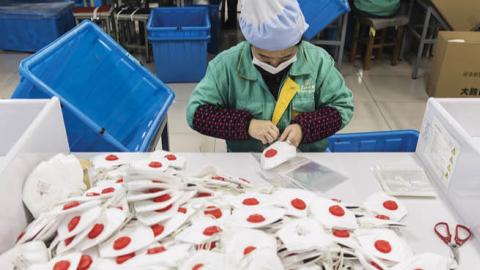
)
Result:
{"points": [[133, 237], [333, 215], [386, 205], [277, 154], [303, 234], [256, 217], [200, 232], [271, 69], [384, 244], [296, 201]]}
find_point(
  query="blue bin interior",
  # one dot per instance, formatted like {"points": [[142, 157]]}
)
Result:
{"points": [[179, 17], [100, 80]]}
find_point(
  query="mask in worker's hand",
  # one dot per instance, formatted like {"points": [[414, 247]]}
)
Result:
{"points": [[271, 69]]}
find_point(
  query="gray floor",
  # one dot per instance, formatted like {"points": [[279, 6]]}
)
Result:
{"points": [[385, 98]]}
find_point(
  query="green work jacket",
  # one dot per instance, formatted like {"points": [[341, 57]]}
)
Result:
{"points": [[378, 7], [233, 82]]}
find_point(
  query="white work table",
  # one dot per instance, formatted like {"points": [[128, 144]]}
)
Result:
{"points": [[423, 213]]}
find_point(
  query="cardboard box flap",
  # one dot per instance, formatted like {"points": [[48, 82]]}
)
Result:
{"points": [[461, 15]]}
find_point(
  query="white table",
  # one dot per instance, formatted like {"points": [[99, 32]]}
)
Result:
{"points": [[423, 213]]}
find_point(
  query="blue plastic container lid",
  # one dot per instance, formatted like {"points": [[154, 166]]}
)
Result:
{"points": [[34, 8]]}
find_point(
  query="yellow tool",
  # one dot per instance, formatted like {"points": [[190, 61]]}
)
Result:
{"points": [[288, 91]]}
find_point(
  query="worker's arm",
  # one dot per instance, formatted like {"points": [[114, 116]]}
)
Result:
{"points": [[334, 105], [208, 111]]}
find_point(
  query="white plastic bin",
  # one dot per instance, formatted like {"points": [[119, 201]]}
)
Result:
{"points": [[450, 152], [30, 131]]}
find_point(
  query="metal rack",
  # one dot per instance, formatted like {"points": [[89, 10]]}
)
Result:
{"points": [[131, 29], [101, 15], [340, 25], [425, 33]]}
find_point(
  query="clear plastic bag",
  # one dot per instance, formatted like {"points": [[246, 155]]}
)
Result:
{"points": [[302, 172], [408, 182]]}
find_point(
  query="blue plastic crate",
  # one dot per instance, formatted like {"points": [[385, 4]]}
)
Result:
{"points": [[31, 26], [109, 101], [214, 15], [385, 141], [77, 3], [320, 13], [88, 3], [179, 38]]}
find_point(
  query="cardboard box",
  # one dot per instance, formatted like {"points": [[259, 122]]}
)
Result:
{"points": [[461, 15], [456, 65]]}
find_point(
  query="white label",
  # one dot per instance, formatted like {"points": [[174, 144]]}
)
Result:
{"points": [[441, 150], [456, 40]]}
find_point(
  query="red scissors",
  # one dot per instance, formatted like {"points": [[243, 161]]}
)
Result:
{"points": [[462, 235]]}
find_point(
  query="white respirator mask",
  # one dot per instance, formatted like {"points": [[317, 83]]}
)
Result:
{"points": [[271, 69]]}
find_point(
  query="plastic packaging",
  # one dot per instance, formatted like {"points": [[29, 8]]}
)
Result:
{"points": [[398, 181], [303, 173]]}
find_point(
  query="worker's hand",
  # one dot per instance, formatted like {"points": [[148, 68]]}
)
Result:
{"points": [[293, 134], [264, 131]]}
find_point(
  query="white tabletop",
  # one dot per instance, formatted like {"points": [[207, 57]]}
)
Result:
{"points": [[423, 213]]}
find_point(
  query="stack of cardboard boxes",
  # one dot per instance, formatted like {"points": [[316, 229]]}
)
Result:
{"points": [[456, 62]]}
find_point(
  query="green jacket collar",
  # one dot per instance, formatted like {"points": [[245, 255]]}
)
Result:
{"points": [[246, 69]]}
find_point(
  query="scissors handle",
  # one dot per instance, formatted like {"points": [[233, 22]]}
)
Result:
{"points": [[462, 234], [443, 232]]}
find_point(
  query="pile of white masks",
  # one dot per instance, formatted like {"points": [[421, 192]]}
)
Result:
{"points": [[141, 212]]}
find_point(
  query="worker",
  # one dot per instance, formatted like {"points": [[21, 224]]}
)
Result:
{"points": [[274, 86], [375, 8]]}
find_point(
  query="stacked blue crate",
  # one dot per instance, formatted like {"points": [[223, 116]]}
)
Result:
{"points": [[29, 26], [179, 38]]}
